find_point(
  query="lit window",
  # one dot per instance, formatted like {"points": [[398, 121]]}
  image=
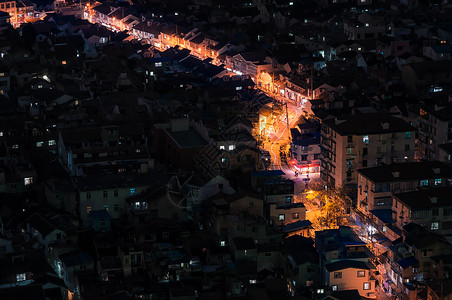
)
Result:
{"points": [[21, 277], [361, 273], [137, 205], [39, 144], [132, 191], [238, 88], [223, 243], [424, 182], [106, 207], [88, 210], [365, 139], [158, 64], [407, 135], [63, 62], [52, 142], [438, 181], [231, 147], [320, 291], [366, 286], [223, 159], [28, 180], [253, 281], [222, 148], [281, 217], [434, 226], [334, 288]]}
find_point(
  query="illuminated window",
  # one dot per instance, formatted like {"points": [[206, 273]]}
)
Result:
{"points": [[63, 62], [295, 216], [434, 226], [39, 144], [231, 147], [223, 243], [424, 182], [222, 148], [366, 286], [158, 64], [132, 191], [365, 139], [21, 277], [88, 209], [438, 181], [223, 159], [52, 142], [28, 180], [334, 288], [281, 217], [361, 273], [407, 135]]}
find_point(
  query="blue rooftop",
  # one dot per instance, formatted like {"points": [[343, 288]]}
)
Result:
{"points": [[385, 215], [409, 261]]}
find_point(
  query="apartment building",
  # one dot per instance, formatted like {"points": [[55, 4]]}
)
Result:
{"points": [[377, 185], [434, 126], [362, 140], [430, 208]]}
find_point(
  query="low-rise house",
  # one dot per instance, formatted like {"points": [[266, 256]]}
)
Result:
{"points": [[350, 275], [287, 213], [243, 248], [301, 265], [438, 52]]}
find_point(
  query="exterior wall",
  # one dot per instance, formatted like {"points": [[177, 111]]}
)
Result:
{"points": [[346, 157], [250, 204], [349, 280], [290, 215], [94, 200]]}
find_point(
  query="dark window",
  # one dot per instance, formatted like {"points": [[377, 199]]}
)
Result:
{"points": [[350, 139], [407, 147], [365, 151], [337, 274], [364, 163]]}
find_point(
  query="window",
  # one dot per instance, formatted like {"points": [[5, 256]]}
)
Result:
{"points": [[116, 207], [295, 216], [366, 139], [281, 217], [350, 139], [106, 207], [28, 180], [132, 191], [222, 243], [165, 234], [407, 147], [102, 223], [423, 182], [334, 288], [231, 147], [39, 144], [438, 181], [52, 142], [361, 274], [105, 194], [221, 147], [158, 64], [407, 135], [88, 195], [223, 159], [364, 163], [366, 286], [337, 274], [434, 226], [435, 211], [88, 210], [349, 163], [365, 151], [115, 193], [349, 150], [251, 204], [21, 277]]}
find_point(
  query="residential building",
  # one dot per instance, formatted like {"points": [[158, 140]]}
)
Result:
{"points": [[350, 275], [428, 207], [363, 140]]}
